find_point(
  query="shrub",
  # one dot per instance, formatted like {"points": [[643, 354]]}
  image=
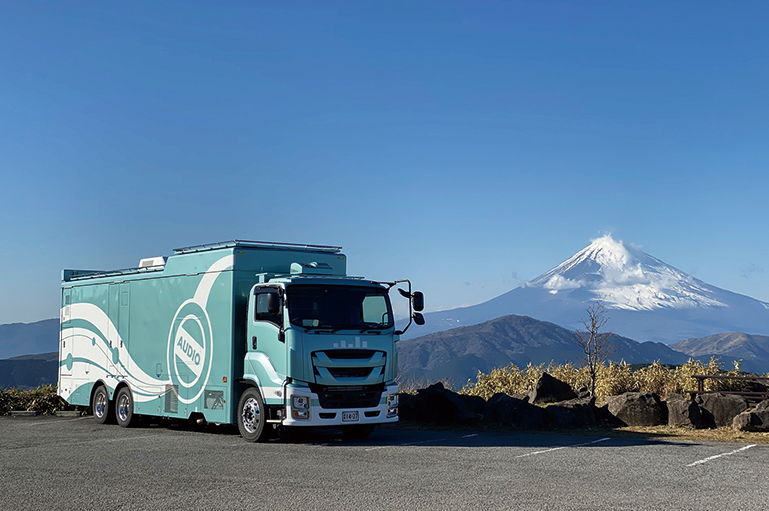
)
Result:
{"points": [[613, 379], [44, 400]]}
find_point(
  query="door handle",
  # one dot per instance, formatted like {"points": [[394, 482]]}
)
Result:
{"points": [[253, 343]]}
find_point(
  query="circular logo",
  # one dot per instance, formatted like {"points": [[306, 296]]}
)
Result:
{"points": [[189, 350]]}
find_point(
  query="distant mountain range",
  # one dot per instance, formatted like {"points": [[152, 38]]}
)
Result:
{"points": [[17, 339], [29, 371], [753, 350], [458, 354], [646, 299]]}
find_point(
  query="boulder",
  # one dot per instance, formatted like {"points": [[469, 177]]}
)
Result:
{"points": [[550, 390], [763, 405], [757, 420], [575, 413], [682, 411], [437, 404], [512, 412], [719, 410], [638, 409]]}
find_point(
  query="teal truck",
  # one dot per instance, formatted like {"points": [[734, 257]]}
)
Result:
{"points": [[261, 334]]}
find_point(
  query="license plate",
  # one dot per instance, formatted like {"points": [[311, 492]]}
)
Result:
{"points": [[349, 416]]}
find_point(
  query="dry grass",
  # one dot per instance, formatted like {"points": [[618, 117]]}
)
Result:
{"points": [[613, 379], [43, 400], [694, 435]]}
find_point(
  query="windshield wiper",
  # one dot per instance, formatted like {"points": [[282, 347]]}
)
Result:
{"points": [[326, 329]]}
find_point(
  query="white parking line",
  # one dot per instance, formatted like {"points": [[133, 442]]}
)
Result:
{"points": [[711, 458], [58, 421], [564, 447], [418, 443]]}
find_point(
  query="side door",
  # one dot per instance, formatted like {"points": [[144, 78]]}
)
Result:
{"points": [[266, 344], [66, 339]]}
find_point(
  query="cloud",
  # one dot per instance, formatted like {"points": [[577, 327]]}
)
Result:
{"points": [[559, 282], [751, 271]]}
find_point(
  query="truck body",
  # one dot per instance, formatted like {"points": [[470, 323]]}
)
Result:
{"points": [[255, 333]]}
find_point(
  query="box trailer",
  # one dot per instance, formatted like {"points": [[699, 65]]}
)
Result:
{"points": [[257, 334]]}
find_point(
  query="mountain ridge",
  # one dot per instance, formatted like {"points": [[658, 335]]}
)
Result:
{"points": [[753, 350], [646, 299], [18, 339], [458, 354]]}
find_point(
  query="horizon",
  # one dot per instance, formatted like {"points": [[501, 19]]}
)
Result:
{"points": [[469, 149]]}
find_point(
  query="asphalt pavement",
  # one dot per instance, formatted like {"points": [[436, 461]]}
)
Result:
{"points": [[74, 463]]}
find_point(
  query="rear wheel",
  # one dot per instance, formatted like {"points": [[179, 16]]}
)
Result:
{"points": [[101, 406], [251, 415], [124, 407]]}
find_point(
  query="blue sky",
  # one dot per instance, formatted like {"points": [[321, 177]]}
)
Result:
{"points": [[468, 146]]}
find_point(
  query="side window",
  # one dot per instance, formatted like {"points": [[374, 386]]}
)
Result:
{"points": [[262, 311], [375, 310]]}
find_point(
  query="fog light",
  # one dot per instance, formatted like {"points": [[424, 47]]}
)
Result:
{"points": [[300, 414]]}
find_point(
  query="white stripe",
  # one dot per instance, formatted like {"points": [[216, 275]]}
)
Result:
{"points": [[711, 458], [58, 421], [416, 443], [208, 279], [564, 447]]}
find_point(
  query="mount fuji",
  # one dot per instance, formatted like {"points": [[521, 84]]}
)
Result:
{"points": [[645, 298]]}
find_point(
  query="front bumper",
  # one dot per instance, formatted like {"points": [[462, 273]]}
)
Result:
{"points": [[317, 416]]}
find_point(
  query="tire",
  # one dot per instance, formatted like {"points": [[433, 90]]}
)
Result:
{"points": [[251, 415], [101, 406], [358, 432], [124, 407]]}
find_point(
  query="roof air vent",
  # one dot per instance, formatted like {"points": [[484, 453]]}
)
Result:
{"points": [[311, 269], [153, 262]]}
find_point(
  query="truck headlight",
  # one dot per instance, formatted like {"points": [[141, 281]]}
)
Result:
{"points": [[392, 405], [300, 407]]}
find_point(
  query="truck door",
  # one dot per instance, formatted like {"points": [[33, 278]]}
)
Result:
{"points": [[265, 336], [65, 338], [124, 324]]}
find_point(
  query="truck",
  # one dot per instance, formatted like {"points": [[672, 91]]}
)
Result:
{"points": [[264, 335]]}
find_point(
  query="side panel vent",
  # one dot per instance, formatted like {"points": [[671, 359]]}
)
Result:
{"points": [[214, 400], [172, 399]]}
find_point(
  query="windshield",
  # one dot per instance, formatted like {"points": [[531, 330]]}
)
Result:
{"points": [[339, 307]]}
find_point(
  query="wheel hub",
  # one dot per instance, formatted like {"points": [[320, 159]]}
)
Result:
{"points": [[251, 415]]}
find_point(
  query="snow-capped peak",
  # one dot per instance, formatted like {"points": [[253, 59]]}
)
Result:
{"points": [[624, 277]]}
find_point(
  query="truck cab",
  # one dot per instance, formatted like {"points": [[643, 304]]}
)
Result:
{"points": [[322, 350]]}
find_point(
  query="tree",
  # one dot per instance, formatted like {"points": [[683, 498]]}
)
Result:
{"points": [[595, 344]]}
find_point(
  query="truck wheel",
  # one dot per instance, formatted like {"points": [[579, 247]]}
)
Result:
{"points": [[357, 432], [124, 407], [101, 406], [251, 415]]}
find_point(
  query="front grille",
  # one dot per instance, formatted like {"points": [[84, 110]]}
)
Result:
{"points": [[350, 354], [348, 397], [349, 372], [334, 367]]}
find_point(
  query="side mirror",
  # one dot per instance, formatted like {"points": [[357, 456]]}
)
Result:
{"points": [[419, 319], [418, 301], [273, 303]]}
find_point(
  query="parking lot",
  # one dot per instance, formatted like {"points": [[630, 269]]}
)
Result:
{"points": [[49, 462]]}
